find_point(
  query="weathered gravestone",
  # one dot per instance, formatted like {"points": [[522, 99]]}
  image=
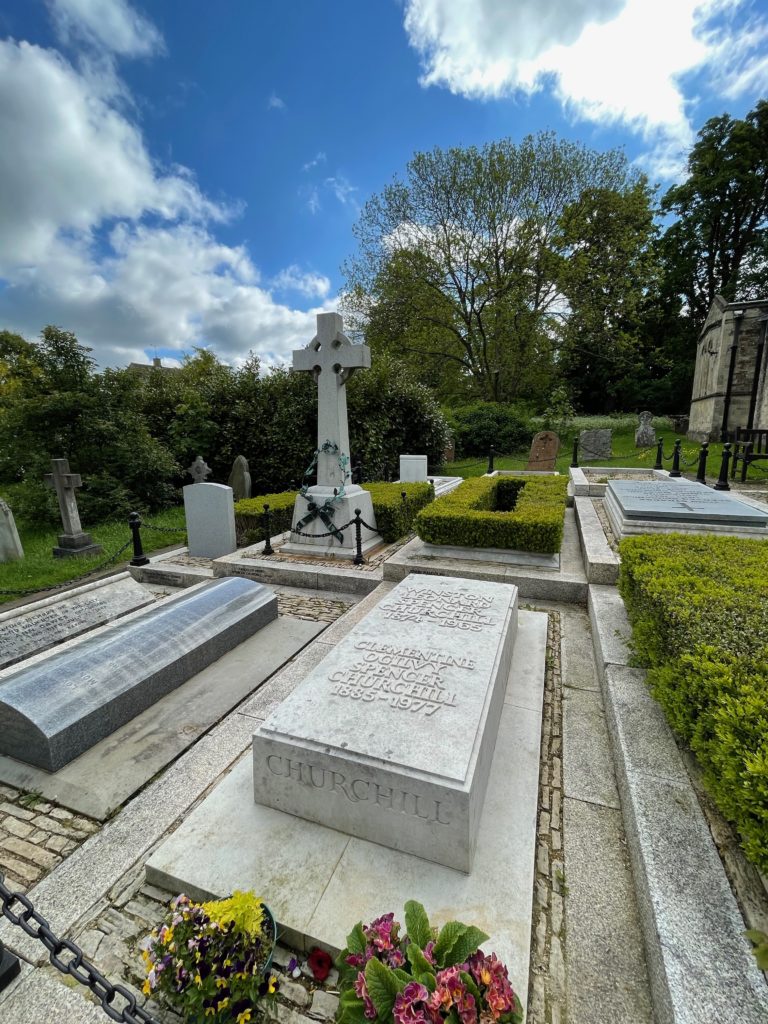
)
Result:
{"points": [[61, 704], [645, 435], [544, 449], [413, 469], [199, 470], [210, 514], [391, 737], [320, 510], [10, 544], [594, 444], [36, 627], [73, 541], [240, 479]]}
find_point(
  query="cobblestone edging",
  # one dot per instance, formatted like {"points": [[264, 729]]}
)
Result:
{"points": [[315, 609], [547, 987], [35, 836]]}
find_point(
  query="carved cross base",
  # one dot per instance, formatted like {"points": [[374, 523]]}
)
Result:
{"points": [[76, 545]]}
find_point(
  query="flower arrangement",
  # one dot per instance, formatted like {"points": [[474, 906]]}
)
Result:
{"points": [[211, 959], [424, 976]]}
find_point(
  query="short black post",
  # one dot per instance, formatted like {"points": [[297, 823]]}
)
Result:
{"points": [[722, 481], [358, 559], [701, 472], [268, 550], [746, 458], [9, 964], [575, 457], [659, 464], [139, 558], [491, 454], [675, 471]]}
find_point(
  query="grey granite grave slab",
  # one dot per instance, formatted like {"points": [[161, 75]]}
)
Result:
{"points": [[391, 737], [682, 501], [595, 444], [210, 514], [63, 704], [37, 627]]}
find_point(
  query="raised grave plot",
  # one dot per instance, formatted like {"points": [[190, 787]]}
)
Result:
{"points": [[511, 513]]}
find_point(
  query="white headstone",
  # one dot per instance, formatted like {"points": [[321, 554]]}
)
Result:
{"points": [[413, 469], [10, 545], [210, 514]]}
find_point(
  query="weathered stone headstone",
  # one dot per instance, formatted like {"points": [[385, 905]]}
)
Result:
{"points": [[544, 449], [240, 479], [413, 469], [331, 358], [73, 541], [10, 544], [645, 435], [36, 627], [62, 704], [210, 513], [199, 470], [594, 444], [391, 737]]}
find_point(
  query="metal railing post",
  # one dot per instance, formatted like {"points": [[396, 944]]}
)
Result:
{"points": [[675, 471], [268, 550], [722, 481], [575, 456], [701, 472], [659, 464], [358, 559], [139, 558], [491, 454]]}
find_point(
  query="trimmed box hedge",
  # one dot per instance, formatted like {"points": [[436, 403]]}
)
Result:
{"points": [[699, 613], [394, 517], [518, 513]]}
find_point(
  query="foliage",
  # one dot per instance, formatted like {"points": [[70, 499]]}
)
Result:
{"points": [[458, 265], [759, 942], [249, 516], [518, 513], [423, 976], [478, 426], [210, 959], [699, 612]]}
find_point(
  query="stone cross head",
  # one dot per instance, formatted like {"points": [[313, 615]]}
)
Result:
{"points": [[199, 470]]}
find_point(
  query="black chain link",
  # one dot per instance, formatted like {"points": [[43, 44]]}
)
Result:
{"points": [[163, 529], [74, 964], [72, 579]]}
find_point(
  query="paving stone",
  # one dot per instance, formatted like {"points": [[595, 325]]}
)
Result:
{"points": [[556, 968], [589, 771], [324, 1004], [287, 1015], [17, 827], [16, 812], [61, 814], [556, 913], [59, 828], [57, 843], [26, 873], [295, 992], [36, 854]]}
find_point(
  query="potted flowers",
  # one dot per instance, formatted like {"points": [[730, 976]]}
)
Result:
{"points": [[212, 960], [424, 976]]}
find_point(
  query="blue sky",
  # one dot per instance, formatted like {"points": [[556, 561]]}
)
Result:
{"points": [[182, 173]]}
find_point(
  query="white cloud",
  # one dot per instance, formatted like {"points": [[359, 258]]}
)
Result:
{"points": [[342, 189], [111, 25], [275, 103], [318, 158], [609, 61], [313, 201], [308, 283]]}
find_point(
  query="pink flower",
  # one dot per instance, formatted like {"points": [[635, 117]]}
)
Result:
{"points": [[383, 932], [412, 1006], [491, 974], [429, 951], [450, 991], [361, 991]]}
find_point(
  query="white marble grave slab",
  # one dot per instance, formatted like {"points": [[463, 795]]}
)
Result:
{"points": [[210, 514], [391, 737], [37, 627], [413, 469]]}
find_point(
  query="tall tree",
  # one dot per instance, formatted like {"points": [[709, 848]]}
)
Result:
{"points": [[460, 255]]}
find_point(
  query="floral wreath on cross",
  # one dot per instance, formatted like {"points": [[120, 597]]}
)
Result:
{"points": [[325, 511]]}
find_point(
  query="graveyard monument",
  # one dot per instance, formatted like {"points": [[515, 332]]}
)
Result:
{"points": [[645, 435], [544, 449], [10, 545], [73, 541], [322, 509], [240, 478]]}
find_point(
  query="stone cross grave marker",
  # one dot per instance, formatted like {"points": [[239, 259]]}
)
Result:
{"points": [[332, 359], [10, 545], [199, 470], [544, 449], [73, 541]]}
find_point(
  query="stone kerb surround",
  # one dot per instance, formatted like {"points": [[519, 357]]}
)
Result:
{"points": [[391, 737]]}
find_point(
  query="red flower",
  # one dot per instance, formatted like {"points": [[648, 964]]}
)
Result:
{"points": [[320, 963]]}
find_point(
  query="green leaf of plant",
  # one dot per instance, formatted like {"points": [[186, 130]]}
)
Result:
{"points": [[383, 986], [417, 960], [447, 939], [464, 946], [351, 1009], [417, 923], [471, 987], [428, 981], [356, 939]]}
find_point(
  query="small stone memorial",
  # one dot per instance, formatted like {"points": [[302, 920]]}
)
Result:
{"points": [[199, 470], [594, 444], [36, 627], [645, 435], [73, 541], [413, 469], [240, 479], [57, 706], [391, 737], [10, 544], [210, 513], [544, 449]]}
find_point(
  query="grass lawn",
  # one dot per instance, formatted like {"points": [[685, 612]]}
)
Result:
{"points": [[40, 569]]}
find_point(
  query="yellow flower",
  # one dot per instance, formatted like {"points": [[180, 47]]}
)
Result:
{"points": [[223, 1004], [272, 984], [146, 988], [221, 983], [198, 980], [210, 1011], [244, 1017]]}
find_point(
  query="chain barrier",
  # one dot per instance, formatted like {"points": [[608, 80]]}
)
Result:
{"points": [[163, 529], [74, 962], [73, 579]]}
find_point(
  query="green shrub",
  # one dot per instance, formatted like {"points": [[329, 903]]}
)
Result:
{"points": [[478, 426], [699, 613], [394, 517], [518, 513]]}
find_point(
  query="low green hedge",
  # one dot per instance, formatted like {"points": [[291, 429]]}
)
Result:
{"points": [[394, 517], [699, 613], [518, 513]]}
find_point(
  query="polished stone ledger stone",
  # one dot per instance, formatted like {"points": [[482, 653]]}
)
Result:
{"points": [[391, 737], [56, 708]]}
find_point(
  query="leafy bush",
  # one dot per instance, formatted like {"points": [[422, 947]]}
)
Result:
{"points": [[518, 513], [699, 612], [249, 516], [478, 426]]}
